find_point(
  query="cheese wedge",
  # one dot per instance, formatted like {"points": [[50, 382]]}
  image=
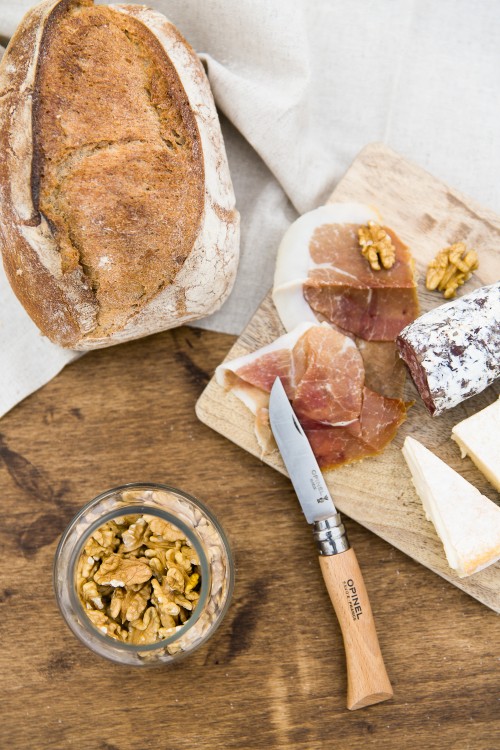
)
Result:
{"points": [[479, 438], [467, 522]]}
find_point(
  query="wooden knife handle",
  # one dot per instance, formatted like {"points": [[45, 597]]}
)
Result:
{"points": [[367, 680]]}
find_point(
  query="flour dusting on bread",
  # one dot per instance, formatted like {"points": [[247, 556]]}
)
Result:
{"points": [[117, 215]]}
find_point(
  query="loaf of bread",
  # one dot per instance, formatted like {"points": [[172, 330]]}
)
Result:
{"points": [[117, 215]]}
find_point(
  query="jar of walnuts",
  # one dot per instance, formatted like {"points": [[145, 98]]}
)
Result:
{"points": [[143, 574]]}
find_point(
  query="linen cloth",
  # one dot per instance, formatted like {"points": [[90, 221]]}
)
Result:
{"points": [[301, 88]]}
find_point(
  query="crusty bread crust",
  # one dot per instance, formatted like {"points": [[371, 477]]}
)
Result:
{"points": [[83, 287]]}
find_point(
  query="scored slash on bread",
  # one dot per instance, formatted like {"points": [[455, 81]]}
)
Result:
{"points": [[117, 214], [467, 522]]}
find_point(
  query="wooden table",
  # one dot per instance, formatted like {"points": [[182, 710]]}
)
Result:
{"points": [[273, 676]]}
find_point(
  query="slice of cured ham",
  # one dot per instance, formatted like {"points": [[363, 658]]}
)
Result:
{"points": [[377, 425], [324, 377], [329, 377], [322, 275]]}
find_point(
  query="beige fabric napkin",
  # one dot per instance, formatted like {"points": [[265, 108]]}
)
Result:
{"points": [[302, 87]]}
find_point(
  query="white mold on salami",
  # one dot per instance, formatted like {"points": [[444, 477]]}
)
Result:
{"points": [[453, 351]]}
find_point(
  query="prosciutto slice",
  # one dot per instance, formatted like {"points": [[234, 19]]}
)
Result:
{"points": [[329, 377], [324, 377], [322, 275], [378, 422]]}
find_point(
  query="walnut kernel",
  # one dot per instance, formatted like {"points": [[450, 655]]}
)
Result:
{"points": [[138, 579], [376, 246], [451, 268]]}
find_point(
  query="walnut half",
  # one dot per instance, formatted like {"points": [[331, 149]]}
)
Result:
{"points": [[376, 246], [451, 268]]}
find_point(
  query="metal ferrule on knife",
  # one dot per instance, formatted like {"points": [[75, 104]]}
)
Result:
{"points": [[330, 535]]}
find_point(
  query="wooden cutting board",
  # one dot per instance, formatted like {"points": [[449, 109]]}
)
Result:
{"points": [[378, 492]]}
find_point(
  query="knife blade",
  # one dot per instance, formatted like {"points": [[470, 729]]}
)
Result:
{"points": [[367, 680]]}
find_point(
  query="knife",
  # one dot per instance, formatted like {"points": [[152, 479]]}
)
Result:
{"points": [[367, 680]]}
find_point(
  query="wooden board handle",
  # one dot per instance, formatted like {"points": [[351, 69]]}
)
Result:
{"points": [[367, 680]]}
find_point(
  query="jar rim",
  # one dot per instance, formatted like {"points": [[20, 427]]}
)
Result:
{"points": [[132, 508]]}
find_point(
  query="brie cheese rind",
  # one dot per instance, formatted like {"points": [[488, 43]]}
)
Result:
{"points": [[467, 522], [479, 438]]}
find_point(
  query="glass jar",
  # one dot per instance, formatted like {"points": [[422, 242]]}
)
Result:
{"points": [[203, 533]]}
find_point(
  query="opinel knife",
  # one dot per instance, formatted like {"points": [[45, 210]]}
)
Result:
{"points": [[367, 680]]}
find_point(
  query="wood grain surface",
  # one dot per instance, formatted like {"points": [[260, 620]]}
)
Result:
{"points": [[378, 492], [273, 676]]}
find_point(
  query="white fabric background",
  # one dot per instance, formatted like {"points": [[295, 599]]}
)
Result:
{"points": [[303, 86]]}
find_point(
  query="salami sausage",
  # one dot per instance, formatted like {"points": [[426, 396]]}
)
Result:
{"points": [[453, 351]]}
